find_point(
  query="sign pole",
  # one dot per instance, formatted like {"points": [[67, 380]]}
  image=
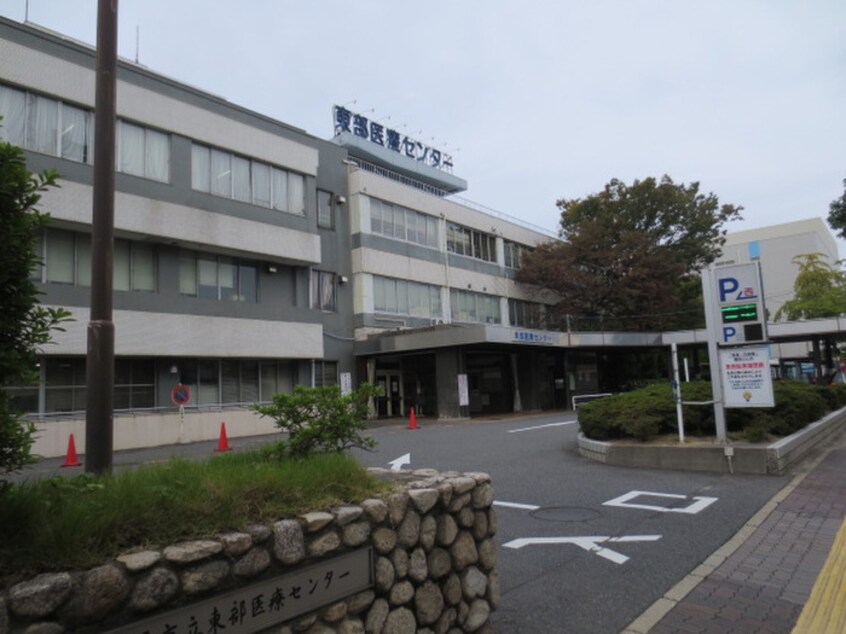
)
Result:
{"points": [[711, 325]]}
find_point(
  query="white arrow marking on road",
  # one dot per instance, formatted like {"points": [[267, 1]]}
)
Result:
{"points": [[396, 465], [567, 422], [700, 502], [515, 505], [590, 544]]}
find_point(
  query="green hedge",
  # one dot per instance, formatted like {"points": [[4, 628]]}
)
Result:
{"points": [[651, 411]]}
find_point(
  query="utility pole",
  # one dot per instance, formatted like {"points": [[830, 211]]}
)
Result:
{"points": [[100, 367]]}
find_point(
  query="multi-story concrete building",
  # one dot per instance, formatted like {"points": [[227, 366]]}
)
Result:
{"points": [[251, 256]]}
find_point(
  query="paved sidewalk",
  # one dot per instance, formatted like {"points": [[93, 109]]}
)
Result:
{"points": [[761, 580]]}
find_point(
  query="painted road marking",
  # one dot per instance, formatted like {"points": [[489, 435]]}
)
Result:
{"points": [[700, 502], [566, 422], [590, 544], [515, 505], [396, 465]]}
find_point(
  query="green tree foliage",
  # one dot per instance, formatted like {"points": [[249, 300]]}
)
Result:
{"points": [[837, 213], [25, 325], [321, 419], [818, 291], [630, 255]]}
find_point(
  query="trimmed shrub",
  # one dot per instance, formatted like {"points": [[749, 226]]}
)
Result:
{"points": [[649, 412]]}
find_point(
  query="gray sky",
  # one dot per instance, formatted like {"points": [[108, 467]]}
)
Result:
{"points": [[535, 100]]}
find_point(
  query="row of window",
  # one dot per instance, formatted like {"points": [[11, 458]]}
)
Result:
{"points": [[57, 128], [217, 277], [145, 383], [401, 297], [54, 127], [66, 259], [232, 176], [398, 222]]}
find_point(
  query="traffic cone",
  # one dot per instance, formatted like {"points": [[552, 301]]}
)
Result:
{"points": [[70, 458], [223, 443], [412, 420]]}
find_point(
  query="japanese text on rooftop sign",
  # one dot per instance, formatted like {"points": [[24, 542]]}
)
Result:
{"points": [[361, 126]]}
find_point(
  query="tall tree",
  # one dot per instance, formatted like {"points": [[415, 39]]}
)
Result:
{"points": [[818, 291], [837, 213], [24, 324], [629, 254]]}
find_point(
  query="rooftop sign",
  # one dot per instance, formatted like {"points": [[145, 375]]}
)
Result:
{"points": [[362, 127]]}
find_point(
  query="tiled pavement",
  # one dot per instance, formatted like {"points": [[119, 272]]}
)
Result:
{"points": [[761, 580]]}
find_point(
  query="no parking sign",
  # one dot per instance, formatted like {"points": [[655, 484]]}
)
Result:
{"points": [[180, 395]]}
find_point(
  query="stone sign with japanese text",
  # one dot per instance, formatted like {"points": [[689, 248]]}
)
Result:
{"points": [[259, 606]]}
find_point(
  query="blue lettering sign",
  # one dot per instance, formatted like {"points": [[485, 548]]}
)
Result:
{"points": [[394, 140], [728, 333], [342, 119], [360, 126], [377, 133], [727, 285]]}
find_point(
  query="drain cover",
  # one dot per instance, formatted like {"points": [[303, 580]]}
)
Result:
{"points": [[565, 514]]}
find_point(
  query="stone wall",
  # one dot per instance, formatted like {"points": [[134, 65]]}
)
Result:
{"points": [[434, 567]]}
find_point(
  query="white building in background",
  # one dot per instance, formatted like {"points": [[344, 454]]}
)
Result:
{"points": [[776, 247]]}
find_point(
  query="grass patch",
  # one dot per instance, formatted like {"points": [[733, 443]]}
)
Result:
{"points": [[60, 524]]}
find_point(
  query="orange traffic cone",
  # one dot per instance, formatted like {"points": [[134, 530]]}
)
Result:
{"points": [[70, 458], [412, 420], [223, 443]]}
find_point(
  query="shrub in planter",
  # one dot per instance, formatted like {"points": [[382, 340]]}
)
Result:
{"points": [[651, 411]]}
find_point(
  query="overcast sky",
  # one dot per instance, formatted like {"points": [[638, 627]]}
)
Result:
{"points": [[535, 101]]}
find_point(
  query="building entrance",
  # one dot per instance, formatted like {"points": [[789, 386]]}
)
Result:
{"points": [[391, 402]]}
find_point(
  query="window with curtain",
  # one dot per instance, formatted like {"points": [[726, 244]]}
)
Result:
{"points": [[325, 215], [229, 175], [475, 307], [13, 111], [67, 260], [143, 152], [402, 297], [211, 276], [323, 291], [46, 125], [400, 223], [466, 241]]}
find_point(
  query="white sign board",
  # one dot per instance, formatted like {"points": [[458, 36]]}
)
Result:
{"points": [[346, 383], [463, 391], [746, 377]]}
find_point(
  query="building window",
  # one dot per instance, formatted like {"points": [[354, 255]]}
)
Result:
{"points": [[325, 210], [67, 260], [46, 125], [325, 373], [474, 307], [217, 277], [323, 294], [525, 314], [400, 223], [143, 152], [64, 389], [401, 297], [514, 254], [135, 384], [232, 176], [472, 243]]}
